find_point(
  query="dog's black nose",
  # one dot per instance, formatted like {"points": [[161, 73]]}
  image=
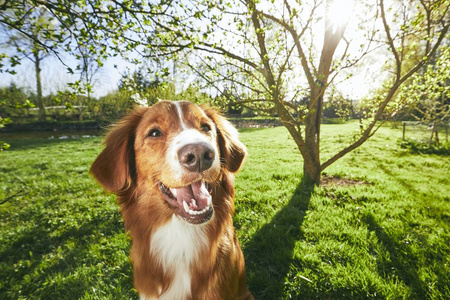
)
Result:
{"points": [[196, 157]]}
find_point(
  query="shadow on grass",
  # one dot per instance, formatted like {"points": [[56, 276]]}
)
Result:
{"points": [[32, 140], [44, 264], [402, 182], [398, 260], [21, 145], [269, 254]]}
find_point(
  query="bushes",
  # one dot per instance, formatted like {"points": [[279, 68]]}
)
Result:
{"points": [[421, 147], [114, 105]]}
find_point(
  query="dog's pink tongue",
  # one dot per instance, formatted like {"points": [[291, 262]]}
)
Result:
{"points": [[196, 191]]}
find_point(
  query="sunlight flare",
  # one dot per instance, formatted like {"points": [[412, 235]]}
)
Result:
{"points": [[339, 12]]}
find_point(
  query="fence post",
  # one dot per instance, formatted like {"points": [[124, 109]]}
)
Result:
{"points": [[446, 132], [404, 130]]}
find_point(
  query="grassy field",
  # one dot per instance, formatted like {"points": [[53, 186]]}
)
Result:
{"points": [[61, 236]]}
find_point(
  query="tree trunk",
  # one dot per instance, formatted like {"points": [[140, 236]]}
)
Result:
{"points": [[311, 172], [436, 134], [39, 100], [311, 162], [312, 167], [430, 141]]}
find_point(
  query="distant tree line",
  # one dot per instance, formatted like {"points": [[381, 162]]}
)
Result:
{"points": [[20, 105]]}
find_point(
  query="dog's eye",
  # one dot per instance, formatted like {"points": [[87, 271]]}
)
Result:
{"points": [[155, 133], [206, 128]]}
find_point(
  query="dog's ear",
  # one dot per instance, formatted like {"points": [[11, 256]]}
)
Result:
{"points": [[114, 168], [232, 151]]}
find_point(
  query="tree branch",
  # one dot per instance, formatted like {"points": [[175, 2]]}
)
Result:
{"points": [[296, 38], [390, 41]]}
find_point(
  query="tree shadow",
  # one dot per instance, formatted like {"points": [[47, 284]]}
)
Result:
{"points": [[268, 254], [397, 260], [410, 187], [32, 140], [40, 254]]}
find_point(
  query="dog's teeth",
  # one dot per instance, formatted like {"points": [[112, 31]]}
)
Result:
{"points": [[186, 207], [209, 201], [194, 203], [174, 192], [194, 212]]}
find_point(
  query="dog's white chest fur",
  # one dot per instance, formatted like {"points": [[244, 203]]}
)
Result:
{"points": [[178, 244]]}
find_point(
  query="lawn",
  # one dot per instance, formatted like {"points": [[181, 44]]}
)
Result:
{"points": [[387, 237]]}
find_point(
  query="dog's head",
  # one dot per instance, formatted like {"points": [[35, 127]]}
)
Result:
{"points": [[176, 150]]}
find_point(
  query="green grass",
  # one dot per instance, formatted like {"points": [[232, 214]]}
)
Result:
{"points": [[62, 237]]}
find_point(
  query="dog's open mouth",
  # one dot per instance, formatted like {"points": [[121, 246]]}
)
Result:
{"points": [[193, 202]]}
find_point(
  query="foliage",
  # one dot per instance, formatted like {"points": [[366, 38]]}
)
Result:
{"points": [[229, 102], [338, 107], [90, 31], [30, 43], [145, 91], [19, 106], [62, 237], [428, 94], [421, 147], [3, 122], [114, 105], [16, 105], [12, 99]]}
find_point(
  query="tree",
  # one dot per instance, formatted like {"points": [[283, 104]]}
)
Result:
{"points": [[90, 67], [229, 102], [145, 88], [429, 94], [90, 31], [30, 46], [338, 106], [275, 46], [13, 100], [112, 106], [147, 91]]}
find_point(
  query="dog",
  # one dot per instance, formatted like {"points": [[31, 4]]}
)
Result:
{"points": [[172, 168]]}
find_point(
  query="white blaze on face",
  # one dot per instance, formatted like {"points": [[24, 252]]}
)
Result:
{"points": [[185, 137], [180, 115]]}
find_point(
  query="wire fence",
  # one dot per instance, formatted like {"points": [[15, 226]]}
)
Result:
{"points": [[424, 133]]}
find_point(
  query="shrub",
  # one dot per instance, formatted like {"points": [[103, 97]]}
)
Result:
{"points": [[421, 147]]}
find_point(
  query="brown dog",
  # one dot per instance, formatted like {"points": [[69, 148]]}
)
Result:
{"points": [[171, 166]]}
